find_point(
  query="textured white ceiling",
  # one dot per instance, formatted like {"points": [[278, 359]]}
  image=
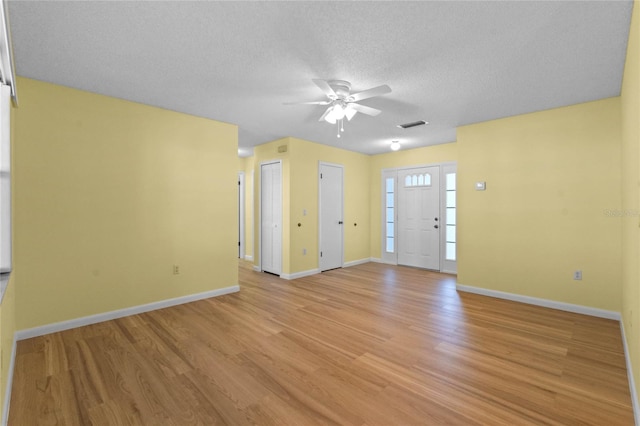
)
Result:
{"points": [[449, 63]]}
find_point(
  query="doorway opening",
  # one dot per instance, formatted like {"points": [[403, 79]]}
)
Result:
{"points": [[419, 217], [331, 224], [241, 245], [271, 217]]}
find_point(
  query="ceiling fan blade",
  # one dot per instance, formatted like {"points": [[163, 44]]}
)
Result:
{"points": [[325, 113], [349, 112], [370, 93], [365, 109], [324, 86], [308, 103]]}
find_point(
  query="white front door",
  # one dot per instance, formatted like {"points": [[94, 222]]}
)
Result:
{"points": [[271, 217], [418, 217], [331, 219]]}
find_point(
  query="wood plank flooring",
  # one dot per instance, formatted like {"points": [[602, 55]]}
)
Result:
{"points": [[368, 345]]}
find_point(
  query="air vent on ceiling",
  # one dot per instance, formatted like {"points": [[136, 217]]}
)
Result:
{"points": [[413, 124]]}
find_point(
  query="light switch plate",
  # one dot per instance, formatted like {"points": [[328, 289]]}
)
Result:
{"points": [[481, 186]]}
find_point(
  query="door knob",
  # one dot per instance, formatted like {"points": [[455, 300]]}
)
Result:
{"points": [[435, 226], [435, 218], [339, 222]]}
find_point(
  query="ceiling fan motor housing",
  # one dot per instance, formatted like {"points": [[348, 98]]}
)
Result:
{"points": [[341, 88]]}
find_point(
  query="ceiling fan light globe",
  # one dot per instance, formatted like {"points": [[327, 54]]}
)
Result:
{"points": [[331, 117], [349, 113], [395, 146], [338, 112]]}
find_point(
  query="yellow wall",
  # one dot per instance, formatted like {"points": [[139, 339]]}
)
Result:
{"points": [[305, 159], [109, 195], [411, 157], [552, 177], [630, 100], [261, 154], [300, 192]]}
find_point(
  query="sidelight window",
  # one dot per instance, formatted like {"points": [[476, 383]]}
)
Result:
{"points": [[389, 215], [450, 219]]}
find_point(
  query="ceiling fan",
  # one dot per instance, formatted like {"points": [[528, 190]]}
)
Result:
{"points": [[342, 103]]}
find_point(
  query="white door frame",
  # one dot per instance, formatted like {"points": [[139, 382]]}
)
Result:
{"points": [[260, 212], [252, 210], [447, 266], [445, 167], [241, 199], [324, 163], [390, 258]]}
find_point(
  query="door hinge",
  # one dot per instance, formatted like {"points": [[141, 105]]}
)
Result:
{"points": [[238, 183], [238, 243], [320, 175], [320, 254]]}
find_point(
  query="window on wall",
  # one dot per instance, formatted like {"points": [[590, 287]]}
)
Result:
{"points": [[450, 220], [418, 180], [390, 215]]}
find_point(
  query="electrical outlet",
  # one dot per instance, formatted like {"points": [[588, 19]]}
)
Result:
{"points": [[176, 270], [577, 275]]}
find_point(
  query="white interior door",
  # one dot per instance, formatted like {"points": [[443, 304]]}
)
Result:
{"points": [[331, 216], [418, 217], [271, 217]]}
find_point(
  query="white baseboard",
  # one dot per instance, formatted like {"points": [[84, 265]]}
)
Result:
{"points": [[375, 259], [248, 257], [632, 383], [300, 274], [7, 392], [257, 268], [106, 316], [569, 307], [356, 262]]}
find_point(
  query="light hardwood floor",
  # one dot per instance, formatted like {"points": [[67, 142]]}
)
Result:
{"points": [[368, 345]]}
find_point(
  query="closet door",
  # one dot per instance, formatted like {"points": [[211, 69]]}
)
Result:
{"points": [[271, 217]]}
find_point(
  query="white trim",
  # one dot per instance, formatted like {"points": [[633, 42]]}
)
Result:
{"points": [[7, 62], [256, 268], [241, 219], [264, 163], [252, 209], [384, 262], [7, 392], [444, 271], [569, 307], [299, 274], [389, 258], [120, 313], [445, 266], [357, 262], [451, 266], [248, 257], [632, 383], [4, 283]]}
